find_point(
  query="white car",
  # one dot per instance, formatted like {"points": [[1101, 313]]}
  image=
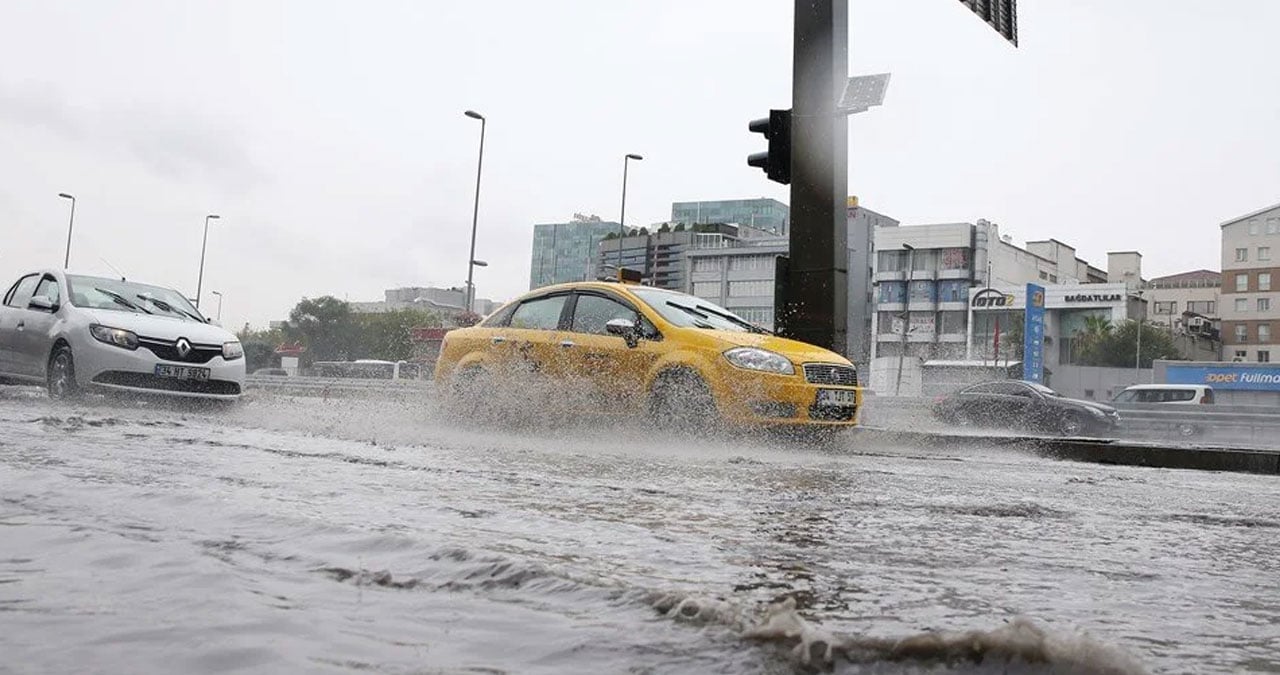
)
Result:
{"points": [[73, 333]]}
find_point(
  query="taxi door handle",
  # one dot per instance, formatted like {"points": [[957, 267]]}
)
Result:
{"points": [[498, 339], [566, 343]]}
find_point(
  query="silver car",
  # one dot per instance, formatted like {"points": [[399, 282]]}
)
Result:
{"points": [[74, 333]]}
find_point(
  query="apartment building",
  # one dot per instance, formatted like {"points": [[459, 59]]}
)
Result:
{"points": [[1250, 298]]}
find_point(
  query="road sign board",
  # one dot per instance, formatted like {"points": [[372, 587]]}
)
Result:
{"points": [[1002, 15]]}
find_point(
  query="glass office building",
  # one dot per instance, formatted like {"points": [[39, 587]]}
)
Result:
{"points": [[770, 215], [564, 252]]}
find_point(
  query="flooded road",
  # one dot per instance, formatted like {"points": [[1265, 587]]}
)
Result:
{"points": [[300, 535]]}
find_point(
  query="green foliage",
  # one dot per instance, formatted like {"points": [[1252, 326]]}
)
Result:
{"points": [[664, 228], [1102, 344], [332, 332], [611, 236], [679, 227]]}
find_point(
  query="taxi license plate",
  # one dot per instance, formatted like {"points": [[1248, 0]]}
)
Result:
{"points": [[837, 397], [182, 372]]}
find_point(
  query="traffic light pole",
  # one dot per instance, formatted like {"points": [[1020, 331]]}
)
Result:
{"points": [[814, 306]]}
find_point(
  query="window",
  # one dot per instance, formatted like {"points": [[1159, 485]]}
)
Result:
{"points": [[744, 289], [1206, 307], [707, 289], [48, 288], [1241, 355], [889, 323], [592, 313], [1242, 304], [1264, 281], [1053, 278], [760, 316], [923, 291], [1242, 254], [1242, 332], [706, 264], [1242, 282], [1253, 227], [893, 292], [1273, 226], [1264, 356], [955, 258], [1170, 307], [1264, 304], [1264, 332], [892, 261], [751, 262], [953, 290], [539, 313], [1044, 276], [1264, 253], [20, 294], [953, 322]]}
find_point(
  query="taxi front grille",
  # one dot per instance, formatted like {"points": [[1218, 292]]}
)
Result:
{"points": [[831, 373]]}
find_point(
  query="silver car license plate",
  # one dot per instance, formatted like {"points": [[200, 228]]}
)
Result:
{"points": [[837, 397], [182, 372]]}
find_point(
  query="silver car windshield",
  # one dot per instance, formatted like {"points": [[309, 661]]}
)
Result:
{"points": [[127, 296]]}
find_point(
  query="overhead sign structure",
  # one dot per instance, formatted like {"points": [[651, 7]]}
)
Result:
{"points": [[1001, 15], [991, 298], [1033, 335]]}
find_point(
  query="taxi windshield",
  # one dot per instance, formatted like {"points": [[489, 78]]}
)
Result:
{"points": [[690, 312]]}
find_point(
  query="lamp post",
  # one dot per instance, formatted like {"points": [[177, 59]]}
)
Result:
{"points": [[67, 261], [219, 294], [622, 219], [475, 213], [906, 317], [471, 289], [203, 246]]}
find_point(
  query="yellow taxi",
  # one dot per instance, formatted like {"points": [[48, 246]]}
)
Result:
{"points": [[617, 347]]}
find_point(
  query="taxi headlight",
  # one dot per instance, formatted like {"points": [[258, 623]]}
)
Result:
{"points": [[232, 350], [118, 337], [754, 358]]}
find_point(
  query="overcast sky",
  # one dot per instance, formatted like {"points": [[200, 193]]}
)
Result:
{"points": [[330, 136]]}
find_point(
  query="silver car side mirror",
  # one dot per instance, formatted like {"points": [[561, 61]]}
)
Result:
{"points": [[42, 303]]}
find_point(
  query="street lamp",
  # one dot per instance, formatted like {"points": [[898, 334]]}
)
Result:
{"points": [[219, 294], [67, 261], [906, 317], [622, 220], [475, 214], [471, 289], [200, 279]]}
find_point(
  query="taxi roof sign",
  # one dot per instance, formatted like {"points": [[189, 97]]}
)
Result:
{"points": [[629, 276]]}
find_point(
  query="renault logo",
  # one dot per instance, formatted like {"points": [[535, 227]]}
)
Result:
{"points": [[184, 348]]}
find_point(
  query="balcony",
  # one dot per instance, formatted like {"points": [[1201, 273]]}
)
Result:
{"points": [[926, 275], [891, 275]]}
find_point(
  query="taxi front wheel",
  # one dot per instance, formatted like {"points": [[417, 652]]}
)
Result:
{"points": [[683, 401]]}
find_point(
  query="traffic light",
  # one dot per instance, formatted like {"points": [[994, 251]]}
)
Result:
{"points": [[776, 162]]}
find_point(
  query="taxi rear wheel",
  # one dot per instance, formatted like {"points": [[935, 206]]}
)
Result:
{"points": [[682, 400]]}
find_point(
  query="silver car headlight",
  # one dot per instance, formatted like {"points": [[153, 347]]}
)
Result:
{"points": [[232, 350], [754, 358], [118, 337]]}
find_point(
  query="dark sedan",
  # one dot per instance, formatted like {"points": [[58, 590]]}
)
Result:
{"points": [[1015, 404]]}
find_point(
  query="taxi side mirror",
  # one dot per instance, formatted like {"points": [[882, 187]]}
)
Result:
{"points": [[624, 328]]}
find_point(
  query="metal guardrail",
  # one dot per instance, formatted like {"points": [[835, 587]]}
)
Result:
{"points": [[334, 386], [1255, 422]]}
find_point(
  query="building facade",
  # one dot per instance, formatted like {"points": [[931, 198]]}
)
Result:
{"points": [[926, 277], [737, 272], [769, 215], [1250, 298], [564, 252], [661, 256], [1185, 302], [448, 302]]}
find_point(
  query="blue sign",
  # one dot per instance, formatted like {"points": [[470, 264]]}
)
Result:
{"points": [[1033, 335], [1226, 376]]}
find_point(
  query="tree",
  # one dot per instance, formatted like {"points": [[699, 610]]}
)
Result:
{"points": [[388, 335], [1117, 347], [1089, 342], [644, 232], [326, 326], [611, 236], [678, 228], [664, 228], [260, 347]]}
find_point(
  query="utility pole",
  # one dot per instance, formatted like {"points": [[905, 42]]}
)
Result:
{"points": [[815, 308]]}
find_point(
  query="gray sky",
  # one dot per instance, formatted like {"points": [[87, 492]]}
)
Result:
{"points": [[330, 136]]}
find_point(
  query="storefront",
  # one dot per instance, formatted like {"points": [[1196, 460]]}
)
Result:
{"points": [[996, 316]]}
